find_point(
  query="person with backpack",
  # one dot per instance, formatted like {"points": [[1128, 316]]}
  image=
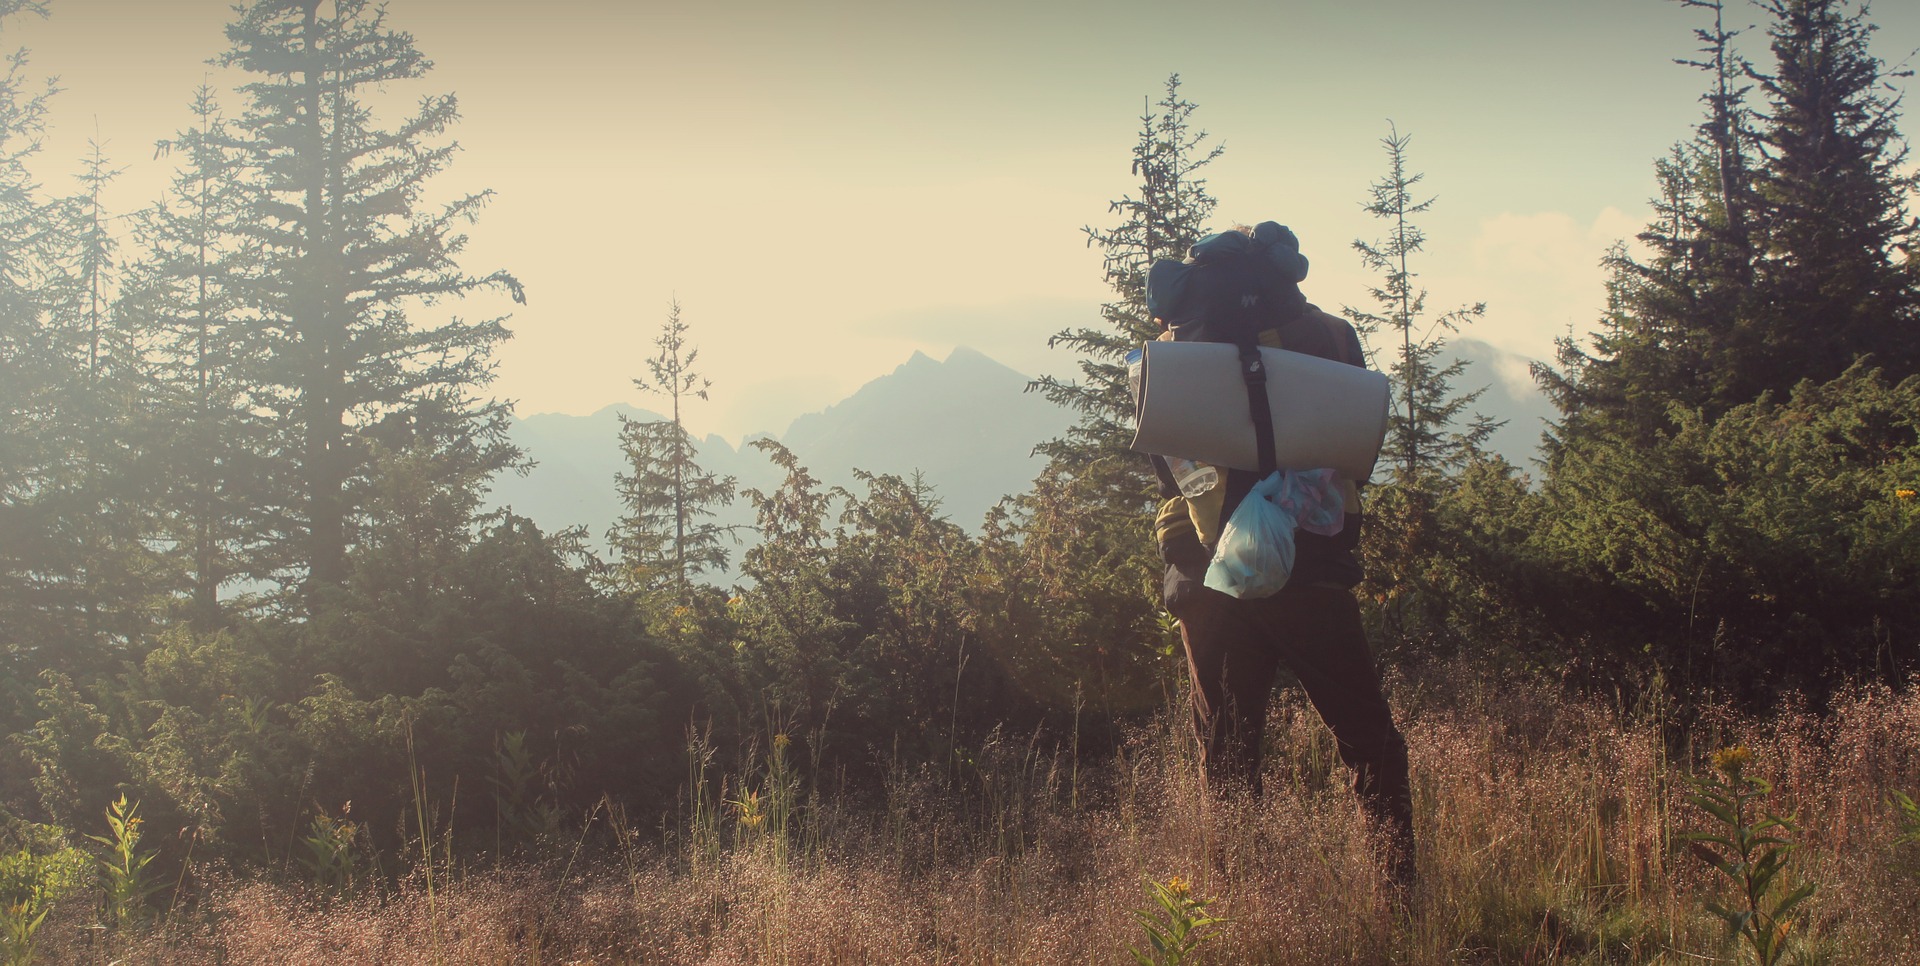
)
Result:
{"points": [[1243, 287]]}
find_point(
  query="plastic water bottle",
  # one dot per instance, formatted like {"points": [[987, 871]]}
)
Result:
{"points": [[1194, 479], [1136, 361]]}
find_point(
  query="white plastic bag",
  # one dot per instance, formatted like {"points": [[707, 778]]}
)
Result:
{"points": [[1255, 554]]}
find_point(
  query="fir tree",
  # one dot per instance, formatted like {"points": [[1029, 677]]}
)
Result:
{"points": [[102, 487], [346, 257], [1410, 548], [1682, 319], [668, 536], [1778, 248]]}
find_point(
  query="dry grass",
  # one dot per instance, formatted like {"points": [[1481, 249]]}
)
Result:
{"points": [[1546, 824]]}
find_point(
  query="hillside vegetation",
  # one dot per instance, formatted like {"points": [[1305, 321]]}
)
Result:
{"points": [[278, 688]]}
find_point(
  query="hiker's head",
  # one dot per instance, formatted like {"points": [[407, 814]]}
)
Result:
{"points": [[1232, 284]]}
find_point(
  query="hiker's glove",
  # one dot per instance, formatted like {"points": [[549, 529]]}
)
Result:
{"points": [[1184, 584], [1186, 557]]}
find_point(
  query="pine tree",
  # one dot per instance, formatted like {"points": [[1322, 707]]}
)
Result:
{"points": [[1410, 548], [1725, 387], [333, 207], [101, 490], [1421, 439], [1666, 334], [1777, 253], [668, 536], [1727, 134]]}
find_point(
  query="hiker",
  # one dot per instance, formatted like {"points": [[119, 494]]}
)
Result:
{"points": [[1242, 286]]}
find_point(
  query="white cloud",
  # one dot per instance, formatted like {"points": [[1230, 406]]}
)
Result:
{"points": [[1539, 274]]}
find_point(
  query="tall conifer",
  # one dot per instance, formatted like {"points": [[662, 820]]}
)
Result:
{"points": [[1073, 562], [35, 561], [1835, 269], [1423, 440], [207, 433], [1163, 219], [101, 489], [668, 536], [347, 257]]}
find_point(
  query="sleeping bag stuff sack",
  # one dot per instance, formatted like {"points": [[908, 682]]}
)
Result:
{"points": [[1193, 405]]}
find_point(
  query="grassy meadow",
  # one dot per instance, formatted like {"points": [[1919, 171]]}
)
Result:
{"points": [[1552, 830]]}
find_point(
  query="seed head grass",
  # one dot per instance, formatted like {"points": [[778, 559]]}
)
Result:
{"points": [[1551, 829]]}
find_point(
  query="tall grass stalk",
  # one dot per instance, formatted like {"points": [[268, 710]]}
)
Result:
{"points": [[424, 825]]}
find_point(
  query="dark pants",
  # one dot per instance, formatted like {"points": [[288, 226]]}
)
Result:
{"points": [[1234, 648]]}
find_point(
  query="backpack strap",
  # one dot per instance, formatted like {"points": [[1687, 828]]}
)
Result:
{"points": [[1169, 487], [1253, 372]]}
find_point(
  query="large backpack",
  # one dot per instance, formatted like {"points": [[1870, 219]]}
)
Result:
{"points": [[1235, 287]]}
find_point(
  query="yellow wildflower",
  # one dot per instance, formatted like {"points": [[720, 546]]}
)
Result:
{"points": [[1179, 886], [747, 807], [1729, 761], [1903, 493]]}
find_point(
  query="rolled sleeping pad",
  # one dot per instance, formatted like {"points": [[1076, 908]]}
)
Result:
{"points": [[1193, 404]]}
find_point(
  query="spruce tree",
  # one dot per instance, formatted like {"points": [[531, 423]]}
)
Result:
{"points": [[347, 256], [1072, 563], [102, 487], [1835, 268], [1410, 547], [1422, 441], [205, 430], [1778, 249], [1681, 319], [668, 536], [1725, 385], [35, 561], [1166, 216]]}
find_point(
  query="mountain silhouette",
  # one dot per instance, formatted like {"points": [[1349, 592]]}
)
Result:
{"points": [[966, 425]]}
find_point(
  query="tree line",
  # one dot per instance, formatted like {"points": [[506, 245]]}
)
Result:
{"points": [[247, 577]]}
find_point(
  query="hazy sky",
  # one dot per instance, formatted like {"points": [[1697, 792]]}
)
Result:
{"points": [[827, 188]]}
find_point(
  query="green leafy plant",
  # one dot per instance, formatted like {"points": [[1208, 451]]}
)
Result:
{"points": [[1177, 927], [1908, 813], [521, 813], [330, 857], [1752, 848], [124, 880], [30, 884]]}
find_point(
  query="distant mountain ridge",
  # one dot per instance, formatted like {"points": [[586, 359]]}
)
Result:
{"points": [[966, 424]]}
